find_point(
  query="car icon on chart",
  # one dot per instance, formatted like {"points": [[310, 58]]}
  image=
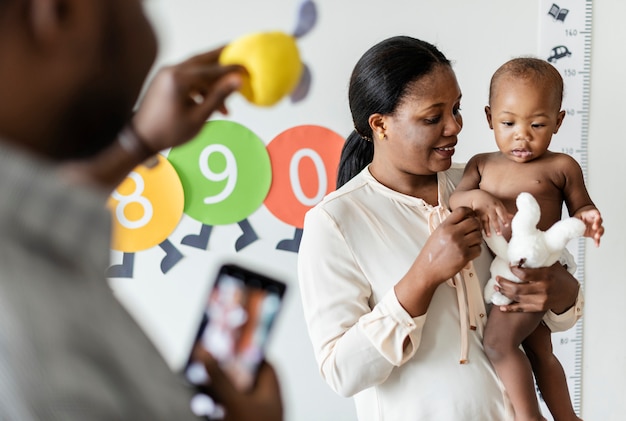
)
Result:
{"points": [[558, 52]]}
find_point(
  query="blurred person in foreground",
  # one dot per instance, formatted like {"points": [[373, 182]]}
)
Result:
{"points": [[70, 75]]}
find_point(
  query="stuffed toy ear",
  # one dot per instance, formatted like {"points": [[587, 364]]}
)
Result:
{"points": [[527, 216], [563, 232]]}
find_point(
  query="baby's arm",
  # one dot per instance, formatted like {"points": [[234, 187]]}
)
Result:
{"points": [[489, 209], [578, 200], [590, 215]]}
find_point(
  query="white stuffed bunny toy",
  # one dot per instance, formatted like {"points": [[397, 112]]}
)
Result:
{"points": [[529, 246]]}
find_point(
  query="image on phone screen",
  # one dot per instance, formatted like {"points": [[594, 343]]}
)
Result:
{"points": [[237, 319]]}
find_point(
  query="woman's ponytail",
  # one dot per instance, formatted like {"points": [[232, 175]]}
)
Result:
{"points": [[356, 154]]}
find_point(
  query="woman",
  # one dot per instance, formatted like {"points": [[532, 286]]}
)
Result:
{"points": [[391, 280]]}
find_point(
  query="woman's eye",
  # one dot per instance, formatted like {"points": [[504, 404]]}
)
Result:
{"points": [[433, 120]]}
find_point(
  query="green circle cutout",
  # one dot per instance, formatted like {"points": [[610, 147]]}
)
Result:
{"points": [[239, 163]]}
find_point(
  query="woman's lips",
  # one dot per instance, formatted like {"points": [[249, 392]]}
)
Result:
{"points": [[446, 151]]}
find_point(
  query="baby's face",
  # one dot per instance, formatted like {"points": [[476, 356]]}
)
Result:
{"points": [[523, 114]]}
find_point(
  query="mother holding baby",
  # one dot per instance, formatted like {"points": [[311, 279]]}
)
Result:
{"points": [[391, 280]]}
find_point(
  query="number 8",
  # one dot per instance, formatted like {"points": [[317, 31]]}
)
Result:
{"points": [[134, 197]]}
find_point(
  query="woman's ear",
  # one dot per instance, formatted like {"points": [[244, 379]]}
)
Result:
{"points": [[377, 123]]}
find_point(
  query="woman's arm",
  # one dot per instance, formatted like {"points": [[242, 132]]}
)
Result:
{"points": [[346, 332], [335, 297], [449, 248]]}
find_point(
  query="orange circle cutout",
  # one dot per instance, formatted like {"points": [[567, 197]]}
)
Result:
{"points": [[304, 169]]}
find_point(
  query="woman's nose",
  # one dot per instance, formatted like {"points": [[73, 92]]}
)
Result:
{"points": [[453, 126]]}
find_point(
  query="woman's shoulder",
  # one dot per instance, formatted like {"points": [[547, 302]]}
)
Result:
{"points": [[345, 193], [455, 172]]}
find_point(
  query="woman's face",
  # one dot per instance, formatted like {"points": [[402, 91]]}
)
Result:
{"points": [[422, 133]]}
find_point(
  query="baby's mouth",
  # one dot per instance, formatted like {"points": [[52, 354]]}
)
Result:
{"points": [[521, 153]]}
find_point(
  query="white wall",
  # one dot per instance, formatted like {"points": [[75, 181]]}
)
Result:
{"points": [[478, 36], [604, 364]]}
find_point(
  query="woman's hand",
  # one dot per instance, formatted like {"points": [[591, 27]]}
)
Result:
{"points": [[181, 98], [542, 289], [450, 247]]}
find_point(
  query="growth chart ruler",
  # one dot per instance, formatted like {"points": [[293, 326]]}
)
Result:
{"points": [[565, 41]]}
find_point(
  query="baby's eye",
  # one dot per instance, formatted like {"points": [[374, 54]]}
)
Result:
{"points": [[537, 125], [507, 123]]}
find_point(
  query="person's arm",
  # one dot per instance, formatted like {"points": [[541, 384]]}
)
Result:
{"points": [[177, 103], [262, 403], [592, 218], [109, 168], [335, 297], [551, 289], [489, 209], [449, 248], [346, 333], [577, 198]]}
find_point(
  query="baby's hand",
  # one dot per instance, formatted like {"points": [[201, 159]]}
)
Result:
{"points": [[492, 214], [593, 223]]}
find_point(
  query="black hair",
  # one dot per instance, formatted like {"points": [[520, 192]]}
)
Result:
{"points": [[530, 68], [379, 82]]}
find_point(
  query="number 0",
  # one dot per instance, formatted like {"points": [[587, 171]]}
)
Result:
{"points": [[322, 179]]}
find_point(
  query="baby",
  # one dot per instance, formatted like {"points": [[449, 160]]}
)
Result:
{"points": [[524, 112]]}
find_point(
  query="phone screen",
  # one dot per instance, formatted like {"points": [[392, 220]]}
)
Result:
{"points": [[239, 313]]}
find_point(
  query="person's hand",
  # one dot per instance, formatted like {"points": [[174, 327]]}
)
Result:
{"points": [[492, 214], [181, 98], [593, 224], [542, 289], [262, 403], [452, 245]]}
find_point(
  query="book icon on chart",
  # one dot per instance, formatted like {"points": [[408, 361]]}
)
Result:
{"points": [[557, 13]]}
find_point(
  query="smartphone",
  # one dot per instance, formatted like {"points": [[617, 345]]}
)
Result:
{"points": [[236, 323]]}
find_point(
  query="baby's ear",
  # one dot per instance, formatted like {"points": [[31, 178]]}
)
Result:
{"points": [[559, 121], [488, 115]]}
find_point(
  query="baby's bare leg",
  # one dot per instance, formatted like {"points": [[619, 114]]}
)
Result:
{"points": [[549, 374], [504, 334]]}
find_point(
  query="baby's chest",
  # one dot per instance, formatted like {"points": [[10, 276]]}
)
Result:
{"points": [[506, 182]]}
